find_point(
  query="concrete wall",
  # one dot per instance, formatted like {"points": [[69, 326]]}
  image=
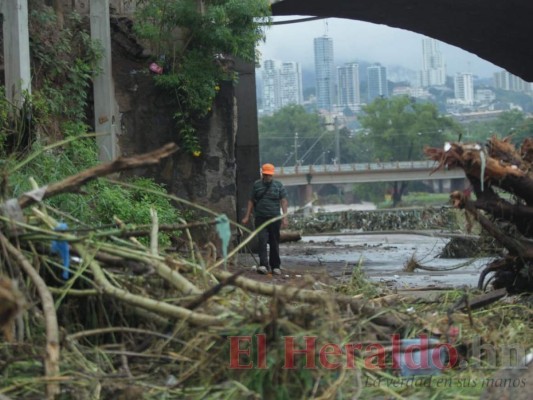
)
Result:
{"points": [[146, 120], [247, 138]]}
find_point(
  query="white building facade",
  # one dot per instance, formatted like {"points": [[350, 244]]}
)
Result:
{"points": [[282, 85], [348, 91], [377, 82], [464, 88], [507, 81], [291, 90], [433, 68]]}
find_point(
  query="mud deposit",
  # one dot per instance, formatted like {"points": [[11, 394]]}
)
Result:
{"points": [[382, 257]]}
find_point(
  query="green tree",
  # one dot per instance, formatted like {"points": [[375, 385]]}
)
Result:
{"points": [[514, 123], [291, 134], [510, 123], [314, 144], [522, 99], [398, 129], [196, 41]]}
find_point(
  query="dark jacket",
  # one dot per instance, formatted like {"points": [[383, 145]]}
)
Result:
{"points": [[267, 198]]}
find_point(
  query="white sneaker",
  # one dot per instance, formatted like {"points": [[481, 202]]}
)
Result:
{"points": [[262, 270], [276, 271]]}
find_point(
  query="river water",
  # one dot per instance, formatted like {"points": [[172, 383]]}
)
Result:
{"points": [[382, 257]]}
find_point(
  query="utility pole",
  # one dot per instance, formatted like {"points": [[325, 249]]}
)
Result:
{"points": [[104, 93], [337, 143], [16, 50], [295, 149]]}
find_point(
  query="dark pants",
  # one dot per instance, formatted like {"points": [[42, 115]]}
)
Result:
{"points": [[270, 235]]}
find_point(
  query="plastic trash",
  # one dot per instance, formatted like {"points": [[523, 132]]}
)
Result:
{"points": [[421, 356], [156, 68], [62, 248]]}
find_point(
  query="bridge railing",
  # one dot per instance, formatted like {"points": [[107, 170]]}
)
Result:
{"points": [[325, 168]]}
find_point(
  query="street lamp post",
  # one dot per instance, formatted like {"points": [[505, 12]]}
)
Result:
{"points": [[295, 148], [337, 142]]}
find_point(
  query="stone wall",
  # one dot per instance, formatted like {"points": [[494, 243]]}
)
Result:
{"points": [[146, 122]]}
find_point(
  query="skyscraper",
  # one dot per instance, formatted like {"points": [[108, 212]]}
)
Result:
{"points": [[348, 86], [282, 85], [377, 82], [291, 90], [507, 81], [325, 73], [433, 68], [464, 88], [271, 86]]}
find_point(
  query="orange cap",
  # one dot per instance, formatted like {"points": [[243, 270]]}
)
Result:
{"points": [[268, 169]]}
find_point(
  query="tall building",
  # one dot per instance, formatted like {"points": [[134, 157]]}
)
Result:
{"points": [[348, 86], [464, 88], [271, 86], [433, 68], [377, 82], [324, 72], [507, 81], [282, 85], [291, 89]]}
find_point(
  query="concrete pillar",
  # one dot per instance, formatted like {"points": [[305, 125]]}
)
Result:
{"points": [[16, 50], [247, 138], [104, 93], [305, 194]]}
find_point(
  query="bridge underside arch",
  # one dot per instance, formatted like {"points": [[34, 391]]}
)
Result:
{"points": [[497, 31]]}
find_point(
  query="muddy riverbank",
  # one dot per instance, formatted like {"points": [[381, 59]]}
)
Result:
{"points": [[379, 242], [330, 259]]}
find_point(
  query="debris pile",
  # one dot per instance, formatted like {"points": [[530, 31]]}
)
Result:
{"points": [[501, 178], [441, 218], [108, 314]]}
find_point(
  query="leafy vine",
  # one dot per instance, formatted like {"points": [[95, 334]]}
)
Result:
{"points": [[194, 41]]}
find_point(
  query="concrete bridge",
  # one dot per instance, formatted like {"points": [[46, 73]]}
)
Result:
{"points": [[364, 172], [305, 176]]}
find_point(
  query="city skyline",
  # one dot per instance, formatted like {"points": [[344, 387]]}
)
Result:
{"points": [[361, 41], [337, 84]]}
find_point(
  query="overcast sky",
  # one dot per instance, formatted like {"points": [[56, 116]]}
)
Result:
{"points": [[363, 41]]}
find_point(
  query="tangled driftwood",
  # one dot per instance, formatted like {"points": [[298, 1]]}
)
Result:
{"points": [[501, 177], [134, 320], [139, 282]]}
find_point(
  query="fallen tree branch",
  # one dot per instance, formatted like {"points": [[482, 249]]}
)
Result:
{"points": [[144, 230], [289, 293], [159, 307], [113, 329], [498, 165], [511, 244], [51, 356], [481, 300], [213, 291], [163, 270], [74, 182]]}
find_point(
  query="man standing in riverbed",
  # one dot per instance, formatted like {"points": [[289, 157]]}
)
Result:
{"points": [[266, 198]]}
